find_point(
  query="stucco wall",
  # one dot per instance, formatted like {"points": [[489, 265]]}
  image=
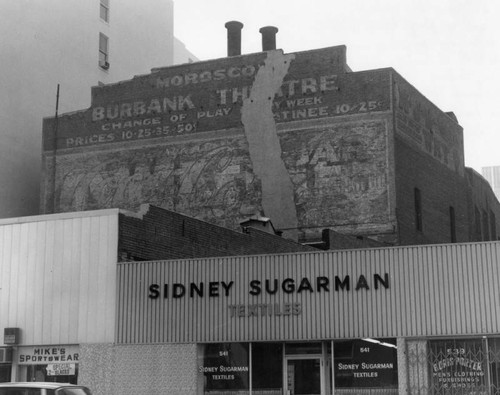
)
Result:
{"points": [[153, 369]]}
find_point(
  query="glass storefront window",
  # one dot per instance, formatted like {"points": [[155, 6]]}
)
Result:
{"points": [[494, 358], [5, 370], [303, 348], [366, 363], [225, 368], [361, 366], [58, 373], [267, 368], [458, 366]]}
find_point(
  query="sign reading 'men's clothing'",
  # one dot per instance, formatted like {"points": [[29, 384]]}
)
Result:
{"points": [[458, 366]]}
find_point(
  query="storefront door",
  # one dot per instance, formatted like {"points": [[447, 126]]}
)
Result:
{"points": [[303, 375]]}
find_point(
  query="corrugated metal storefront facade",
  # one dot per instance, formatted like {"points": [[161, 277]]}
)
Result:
{"points": [[438, 290], [168, 326], [57, 287]]}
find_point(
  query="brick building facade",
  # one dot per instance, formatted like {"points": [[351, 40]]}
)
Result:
{"points": [[299, 138], [154, 233]]}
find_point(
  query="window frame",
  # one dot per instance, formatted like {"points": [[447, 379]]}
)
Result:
{"points": [[453, 225], [103, 51], [418, 210], [104, 9]]}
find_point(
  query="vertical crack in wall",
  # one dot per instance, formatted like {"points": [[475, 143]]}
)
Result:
{"points": [[264, 145]]}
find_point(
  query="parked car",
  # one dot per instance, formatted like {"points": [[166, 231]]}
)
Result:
{"points": [[41, 388]]}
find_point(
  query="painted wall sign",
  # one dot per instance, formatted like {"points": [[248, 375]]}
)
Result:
{"points": [[458, 366], [366, 364], [48, 355], [207, 96], [225, 366]]}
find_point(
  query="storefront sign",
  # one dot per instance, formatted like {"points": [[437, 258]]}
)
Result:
{"points": [[458, 365], [270, 286], [61, 369], [365, 363], [42, 355], [11, 335], [320, 284], [225, 366]]}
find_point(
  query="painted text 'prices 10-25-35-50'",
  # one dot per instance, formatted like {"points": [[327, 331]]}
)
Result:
{"points": [[165, 130]]}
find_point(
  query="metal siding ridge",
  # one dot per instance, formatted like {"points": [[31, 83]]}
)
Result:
{"points": [[118, 323], [75, 283], [482, 295], [428, 286], [47, 280], [38, 272], [24, 292], [67, 265], [129, 292], [493, 279], [469, 308], [474, 287], [141, 313], [454, 264]]}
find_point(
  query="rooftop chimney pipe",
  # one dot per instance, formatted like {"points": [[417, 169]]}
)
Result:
{"points": [[268, 37], [234, 38]]}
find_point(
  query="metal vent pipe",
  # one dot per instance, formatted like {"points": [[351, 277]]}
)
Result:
{"points": [[234, 38], [268, 37]]}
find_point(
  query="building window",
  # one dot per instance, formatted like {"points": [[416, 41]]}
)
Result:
{"points": [[477, 217], [493, 225], [418, 210], [486, 226], [225, 368], [103, 51], [453, 230], [104, 10], [364, 366], [458, 366], [267, 367]]}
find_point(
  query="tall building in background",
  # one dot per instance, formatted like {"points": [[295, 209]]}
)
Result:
{"points": [[492, 174], [74, 44]]}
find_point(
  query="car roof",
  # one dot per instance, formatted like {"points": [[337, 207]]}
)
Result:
{"points": [[38, 384]]}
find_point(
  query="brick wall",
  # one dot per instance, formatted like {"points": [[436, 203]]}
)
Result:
{"points": [[440, 189], [484, 208], [428, 151], [293, 136], [164, 234]]}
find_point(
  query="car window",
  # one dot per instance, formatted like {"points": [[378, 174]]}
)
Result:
{"points": [[72, 391], [19, 391]]}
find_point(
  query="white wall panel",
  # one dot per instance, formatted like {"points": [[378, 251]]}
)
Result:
{"points": [[58, 277], [437, 290]]}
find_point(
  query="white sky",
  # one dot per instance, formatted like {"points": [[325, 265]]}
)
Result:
{"points": [[448, 49]]}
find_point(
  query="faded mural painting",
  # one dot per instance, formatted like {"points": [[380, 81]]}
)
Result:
{"points": [[211, 180], [337, 173]]}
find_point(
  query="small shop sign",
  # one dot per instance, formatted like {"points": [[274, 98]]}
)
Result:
{"points": [[61, 369]]}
